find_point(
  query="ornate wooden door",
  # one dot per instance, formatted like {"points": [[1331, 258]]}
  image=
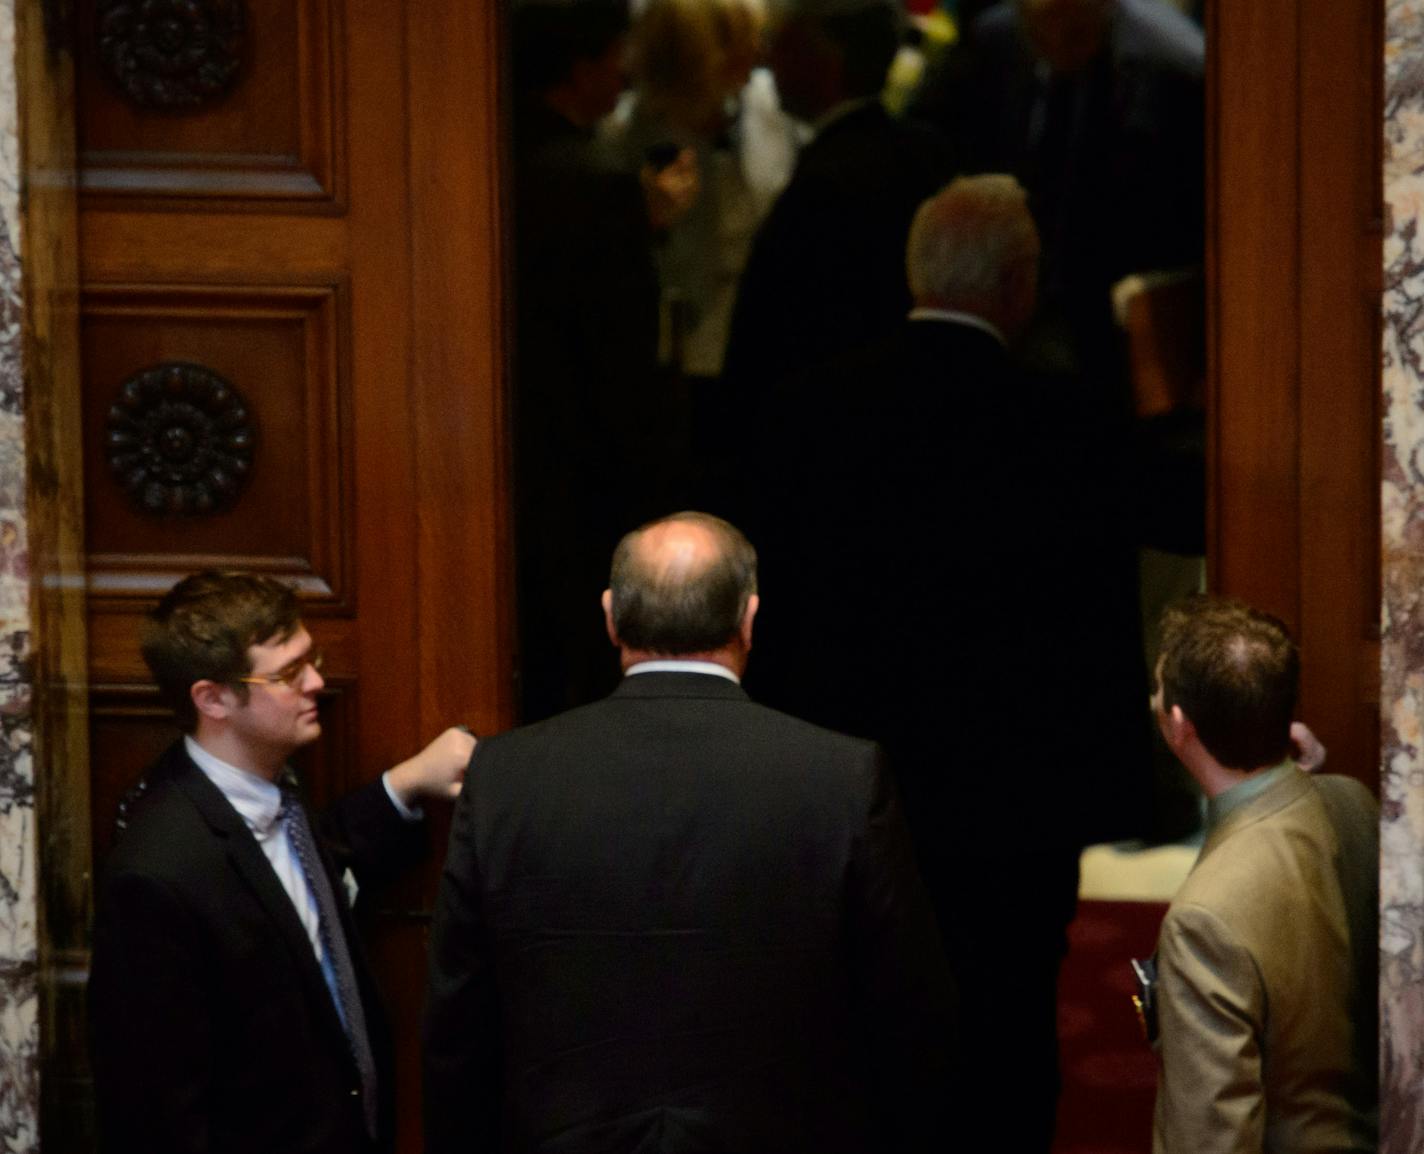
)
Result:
{"points": [[291, 345]]}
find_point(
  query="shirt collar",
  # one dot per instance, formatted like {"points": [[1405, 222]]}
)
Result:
{"points": [[924, 313], [1223, 805], [256, 800], [673, 666]]}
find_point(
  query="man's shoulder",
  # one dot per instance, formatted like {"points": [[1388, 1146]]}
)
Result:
{"points": [[725, 718], [1259, 863], [1346, 795], [869, 153], [154, 833]]}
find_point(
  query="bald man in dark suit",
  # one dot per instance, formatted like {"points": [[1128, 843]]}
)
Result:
{"points": [[676, 920]]}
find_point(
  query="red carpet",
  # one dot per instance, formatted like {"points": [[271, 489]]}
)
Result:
{"points": [[1109, 1073]]}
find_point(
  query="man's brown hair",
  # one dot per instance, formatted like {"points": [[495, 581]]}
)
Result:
{"points": [[203, 627], [1235, 672]]}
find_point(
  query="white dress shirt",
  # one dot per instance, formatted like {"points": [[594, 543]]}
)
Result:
{"points": [[257, 802], [670, 665]]}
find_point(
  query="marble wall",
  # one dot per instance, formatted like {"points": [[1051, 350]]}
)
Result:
{"points": [[19, 999], [1402, 661]]}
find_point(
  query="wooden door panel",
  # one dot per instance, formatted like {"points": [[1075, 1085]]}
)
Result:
{"points": [[154, 359], [129, 726], [240, 100]]}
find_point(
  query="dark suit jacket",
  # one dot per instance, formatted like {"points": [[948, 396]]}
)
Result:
{"points": [[678, 921], [936, 509], [211, 1026], [961, 515], [826, 272]]}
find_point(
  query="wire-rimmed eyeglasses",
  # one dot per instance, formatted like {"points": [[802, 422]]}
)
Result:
{"points": [[289, 675]]}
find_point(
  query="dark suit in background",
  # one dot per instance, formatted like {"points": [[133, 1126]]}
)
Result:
{"points": [[678, 921], [827, 268], [1112, 156], [955, 501], [949, 504], [826, 273], [212, 1028]]}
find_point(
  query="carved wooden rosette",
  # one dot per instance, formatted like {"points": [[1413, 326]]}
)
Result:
{"points": [[172, 55], [179, 440]]}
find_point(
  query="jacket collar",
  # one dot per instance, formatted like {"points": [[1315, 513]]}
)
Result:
{"points": [[1261, 795], [257, 801], [688, 685]]}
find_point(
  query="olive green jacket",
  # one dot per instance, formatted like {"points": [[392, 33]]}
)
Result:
{"points": [[1267, 964]]}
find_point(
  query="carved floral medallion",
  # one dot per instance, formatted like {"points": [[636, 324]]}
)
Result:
{"points": [[179, 440], [173, 55]]}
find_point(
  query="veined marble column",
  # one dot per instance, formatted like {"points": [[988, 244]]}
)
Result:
{"points": [[1402, 660], [19, 969]]}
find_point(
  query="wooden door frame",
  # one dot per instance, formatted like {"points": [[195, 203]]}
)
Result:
{"points": [[1294, 282]]}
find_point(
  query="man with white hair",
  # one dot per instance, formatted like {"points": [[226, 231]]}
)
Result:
{"points": [[949, 485]]}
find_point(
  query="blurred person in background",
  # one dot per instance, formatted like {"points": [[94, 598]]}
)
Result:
{"points": [[599, 440]]}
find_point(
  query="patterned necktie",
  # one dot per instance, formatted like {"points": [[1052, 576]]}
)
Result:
{"points": [[340, 974]]}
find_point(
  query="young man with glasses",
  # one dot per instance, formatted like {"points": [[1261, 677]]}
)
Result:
{"points": [[230, 1004]]}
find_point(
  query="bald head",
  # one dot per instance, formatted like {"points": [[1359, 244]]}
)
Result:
{"points": [[682, 585]]}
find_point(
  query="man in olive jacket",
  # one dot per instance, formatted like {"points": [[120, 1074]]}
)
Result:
{"points": [[1266, 959]]}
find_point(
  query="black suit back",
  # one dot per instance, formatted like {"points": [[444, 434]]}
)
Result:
{"points": [[957, 520], [683, 903], [826, 272]]}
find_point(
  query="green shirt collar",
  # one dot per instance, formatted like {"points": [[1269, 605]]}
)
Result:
{"points": [[1220, 807]]}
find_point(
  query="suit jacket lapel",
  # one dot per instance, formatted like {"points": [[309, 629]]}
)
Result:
{"points": [[252, 866]]}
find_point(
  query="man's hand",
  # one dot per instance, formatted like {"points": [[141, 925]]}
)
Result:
{"points": [[1309, 752], [671, 190], [437, 771]]}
